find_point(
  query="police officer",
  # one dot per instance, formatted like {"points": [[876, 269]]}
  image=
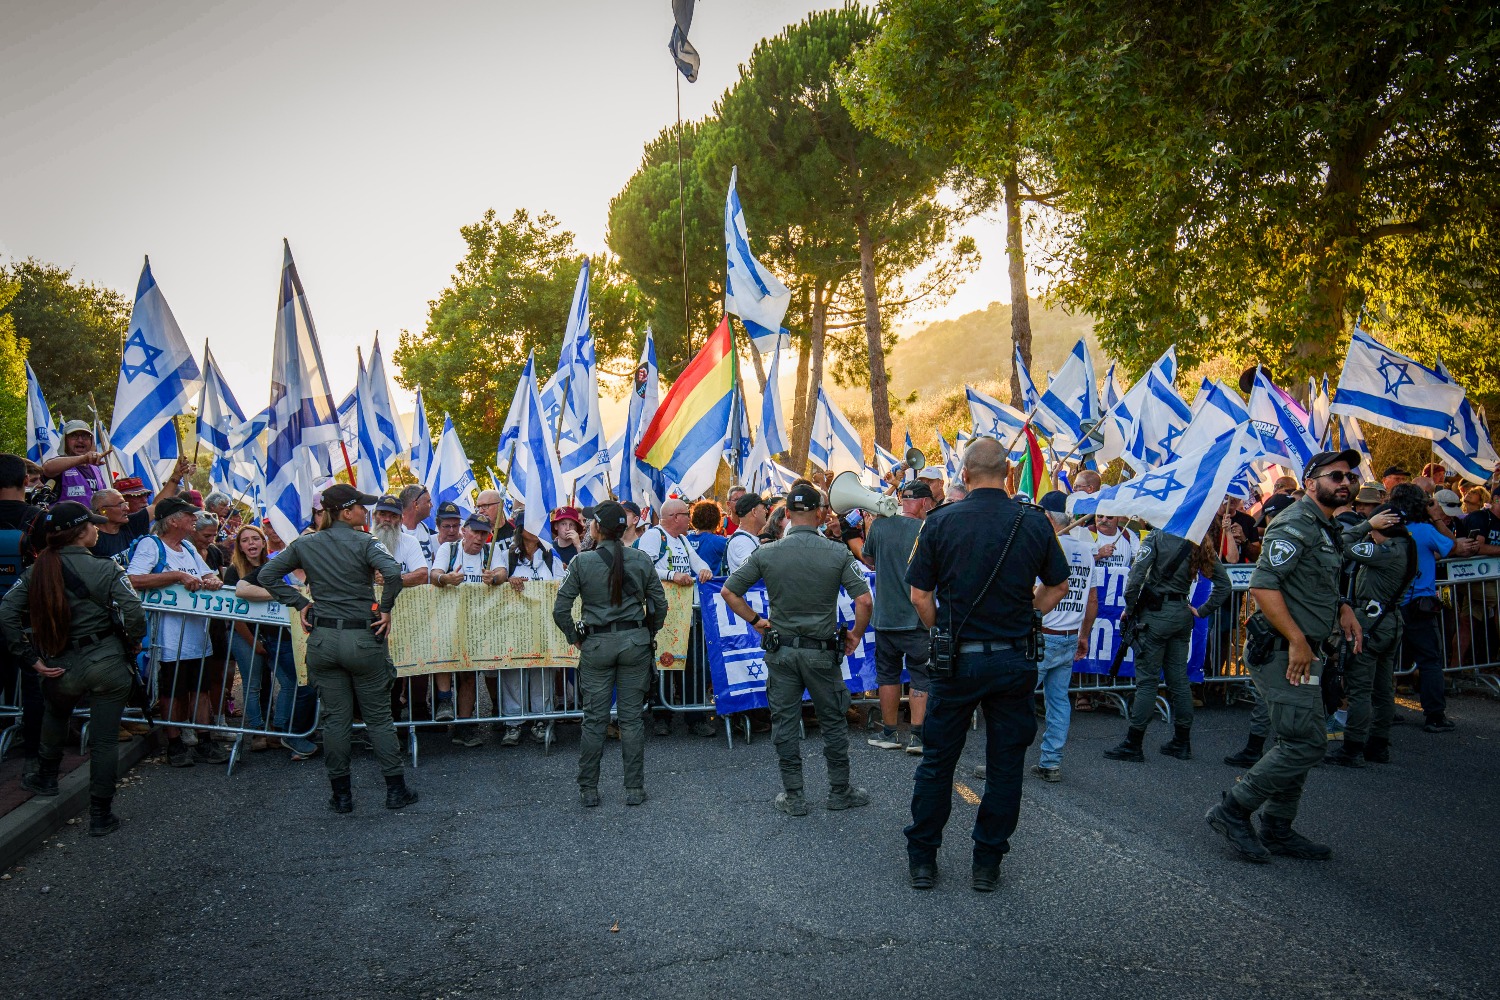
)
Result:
{"points": [[1385, 562], [804, 646], [972, 575], [347, 655], [1296, 586], [57, 620], [624, 606], [1157, 590]]}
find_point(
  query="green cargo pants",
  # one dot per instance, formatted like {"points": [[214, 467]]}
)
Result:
{"points": [[1163, 648], [346, 664], [1370, 682], [789, 672], [103, 673], [1301, 738], [606, 663]]}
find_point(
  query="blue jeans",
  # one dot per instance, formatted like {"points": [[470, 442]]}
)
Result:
{"points": [[278, 644], [1002, 683], [1054, 673]]}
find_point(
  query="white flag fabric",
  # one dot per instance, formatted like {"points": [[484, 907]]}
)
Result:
{"points": [[583, 450], [1354, 437], [1128, 407], [1278, 416], [751, 292], [1071, 402], [220, 420], [636, 481], [991, 417], [1115, 422], [1389, 389], [1219, 409], [1161, 418], [771, 439], [834, 445], [421, 442], [381, 440], [451, 478], [534, 474], [42, 437], [1317, 411], [158, 374]]}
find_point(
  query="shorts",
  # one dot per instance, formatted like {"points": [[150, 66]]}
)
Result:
{"points": [[910, 649], [181, 678]]}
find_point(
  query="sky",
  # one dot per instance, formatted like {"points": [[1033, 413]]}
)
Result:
{"points": [[203, 133]]}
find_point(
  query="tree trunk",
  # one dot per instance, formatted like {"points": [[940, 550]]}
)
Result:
{"points": [[755, 361], [801, 411], [880, 401], [1020, 304], [821, 298]]}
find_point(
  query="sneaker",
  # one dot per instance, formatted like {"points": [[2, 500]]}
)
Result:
{"points": [[539, 732], [848, 797], [1046, 773], [1440, 724], [512, 736], [886, 739], [704, 729], [189, 737], [179, 754], [300, 747], [444, 712], [209, 752], [915, 746], [467, 735]]}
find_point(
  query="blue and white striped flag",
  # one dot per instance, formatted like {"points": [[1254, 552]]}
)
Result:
{"points": [[1117, 419], [583, 450], [772, 438], [737, 442], [636, 481], [1071, 402], [1031, 401], [1389, 389], [380, 439], [303, 420], [751, 292], [834, 444], [42, 437], [952, 459], [421, 442], [158, 374], [534, 474], [991, 417], [682, 50], [885, 462], [220, 423], [1317, 411], [1466, 449], [1277, 416], [1354, 437], [1218, 408], [1161, 418], [451, 477]]}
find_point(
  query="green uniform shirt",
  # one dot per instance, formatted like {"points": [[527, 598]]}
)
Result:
{"points": [[1161, 550], [1380, 574], [1301, 556], [340, 564], [803, 574], [643, 598], [105, 580]]}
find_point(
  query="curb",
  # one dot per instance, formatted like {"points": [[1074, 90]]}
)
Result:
{"points": [[33, 821]]}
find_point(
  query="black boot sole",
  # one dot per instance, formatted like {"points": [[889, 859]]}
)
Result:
{"points": [[1241, 760], [1174, 752], [104, 830], [402, 801], [1134, 758], [342, 808], [45, 791]]}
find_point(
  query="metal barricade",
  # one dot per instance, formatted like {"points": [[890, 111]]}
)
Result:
{"points": [[1469, 629], [10, 704], [506, 696]]}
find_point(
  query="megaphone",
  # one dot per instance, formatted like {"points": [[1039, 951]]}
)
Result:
{"points": [[847, 493], [915, 460]]}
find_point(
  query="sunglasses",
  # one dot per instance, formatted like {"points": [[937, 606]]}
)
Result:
{"points": [[1339, 477]]}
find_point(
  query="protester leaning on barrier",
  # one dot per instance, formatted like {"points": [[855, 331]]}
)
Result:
{"points": [[60, 620], [901, 643], [16, 520], [469, 558], [624, 606], [668, 548], [416, 508], [347, 654], [529, 689]]}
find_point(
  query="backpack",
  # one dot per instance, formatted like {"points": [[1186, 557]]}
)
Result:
{"points": [[161, 553], [453, 555]]}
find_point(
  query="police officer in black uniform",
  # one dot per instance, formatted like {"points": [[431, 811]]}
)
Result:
{"points": [[971, 578]]}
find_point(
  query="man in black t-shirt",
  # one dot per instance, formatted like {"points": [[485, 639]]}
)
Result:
{"points": [[1486, 521]]}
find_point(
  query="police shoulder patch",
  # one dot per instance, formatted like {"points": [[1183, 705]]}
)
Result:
{"points": [[1280, 551], [1143, 553], [1363, 549]]}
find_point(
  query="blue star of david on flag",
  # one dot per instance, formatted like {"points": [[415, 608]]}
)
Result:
{"points": [[1395, 375], [1167, 484], [149, 355], [1166, 443]]}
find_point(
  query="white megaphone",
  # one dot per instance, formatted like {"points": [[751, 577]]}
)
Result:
{"points": [[847, 493]]}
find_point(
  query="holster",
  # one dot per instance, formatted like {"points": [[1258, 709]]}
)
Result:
{"points": [[1261, 639]]}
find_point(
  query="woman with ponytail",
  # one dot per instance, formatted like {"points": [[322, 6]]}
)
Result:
{"points": [[624, 607], [58, 619]]}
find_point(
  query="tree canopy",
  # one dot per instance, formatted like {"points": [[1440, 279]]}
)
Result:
{"points": [[12, 375]]}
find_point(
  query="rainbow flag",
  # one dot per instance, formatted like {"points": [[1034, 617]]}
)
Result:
{"points": [[687, 434], [1031, 472]]}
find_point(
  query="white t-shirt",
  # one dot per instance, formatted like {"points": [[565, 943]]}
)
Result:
{"points": [[409, 554], [471, 564], [425, 537], [1083, 576], [535, 568], [676, 555], [180, 637], [742, 546], [1126, 546]]}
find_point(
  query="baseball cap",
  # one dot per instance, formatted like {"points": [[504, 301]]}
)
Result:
{"points": [[930, 472], [1395, 470], [448, 509], [480, 523], [610, 515], [916, 490], [69, 514], [567, 514], [341, 496], [1451, 503], [77, 426], [173, 505], [1349, 456], [1054, 502], [747, 503], [1275, 504], [130, 486], [804, 496], [1370, 493], [631, 506], [389, 504]]}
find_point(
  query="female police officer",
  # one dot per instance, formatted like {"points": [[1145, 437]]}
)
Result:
{"points": [[73, 642], [624, 606]]}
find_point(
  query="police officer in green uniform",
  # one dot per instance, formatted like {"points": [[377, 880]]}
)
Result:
{"points": [[1385, 562], [624, 606], [1296, 586], [347, 655], [1157, 590], [805, 648], [60, 620]]}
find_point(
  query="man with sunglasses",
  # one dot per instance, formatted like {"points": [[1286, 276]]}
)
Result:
{"points": [[1296, 585]]}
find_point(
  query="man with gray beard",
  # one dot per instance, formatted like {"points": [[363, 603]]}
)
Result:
{"points": [[408, 552]]}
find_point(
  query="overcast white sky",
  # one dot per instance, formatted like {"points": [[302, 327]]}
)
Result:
{"points": [[367, 133]]}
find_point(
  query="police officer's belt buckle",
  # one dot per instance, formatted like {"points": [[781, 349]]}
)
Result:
{"points": [[803, 642], [1374, 609]]}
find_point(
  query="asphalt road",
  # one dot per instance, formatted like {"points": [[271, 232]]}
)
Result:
{"points": [[498, 883]]}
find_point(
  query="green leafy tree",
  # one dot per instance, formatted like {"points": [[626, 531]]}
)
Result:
{"points": [[510, 295], [12, 376], [74, 330]]}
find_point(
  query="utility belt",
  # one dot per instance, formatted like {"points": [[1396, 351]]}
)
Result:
{"points": [[584, 629], [1372, 609], [346, 624], [1262, 639], [1152, 600], [86, 641], [772, 640]]}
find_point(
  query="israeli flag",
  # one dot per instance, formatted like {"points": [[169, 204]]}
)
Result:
{"points": [[535, 477], [737, 443], [42, 437], [952, 460], [1354, 437], [154, 461], [1466, 449], [772, 438], [1391, 390], [1128, 407], [1161, 418], [583, 451], [636, 481], [381, 440], [505, 450], [991, 417], [114, 465], [158, 374], [1317, 411], [220, 421], [1031, 402], [1117, 420], [1071, 402], [885, 462], [751, 292], [1277, 416], [451, 477], [303, 421], [421, 442], [1218, 409], [834, 445]]}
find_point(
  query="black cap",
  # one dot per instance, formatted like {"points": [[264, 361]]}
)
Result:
{"points": [[1055, 502], [610, 515], [747, 503], [69, 514], [631, 506], [478, 522], [917, 489], [342, 496], [1348, 456], [804, 496], [1275, 504], [447, 509], [389, 504], [1395, 470], [173, 505]]}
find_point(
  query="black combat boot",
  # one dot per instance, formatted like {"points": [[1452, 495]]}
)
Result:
{"points": [[1181, 744], [1378, 750], [1130, 749], [342, 800], [102, 822], [397, 795], [1254, 750], [1233, 821], [1349, 753], [42, 781], [1280, 838]]}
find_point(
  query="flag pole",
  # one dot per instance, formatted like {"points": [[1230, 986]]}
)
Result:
{"points": [[687, 319], [196, 439], [1013, 441]]}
